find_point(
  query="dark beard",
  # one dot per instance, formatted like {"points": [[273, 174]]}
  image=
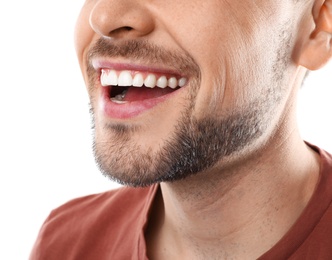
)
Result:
{"points": [[197, 144]]}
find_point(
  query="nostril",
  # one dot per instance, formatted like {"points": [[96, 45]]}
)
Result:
{"points": [[120, 31]]}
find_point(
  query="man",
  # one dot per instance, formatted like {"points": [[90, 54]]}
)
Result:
{"points": [[194, 109]]}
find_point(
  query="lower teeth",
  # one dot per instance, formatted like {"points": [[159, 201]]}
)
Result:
{"points": [[119, 98], [118, 101]]}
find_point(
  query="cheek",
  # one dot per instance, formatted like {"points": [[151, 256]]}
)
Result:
{"points": [[241, 58], [83, 36]]}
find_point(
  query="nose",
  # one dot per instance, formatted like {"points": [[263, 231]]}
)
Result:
{"points": [[121, 19]]}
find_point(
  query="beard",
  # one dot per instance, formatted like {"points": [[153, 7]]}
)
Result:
{"points": [[196, 144]]}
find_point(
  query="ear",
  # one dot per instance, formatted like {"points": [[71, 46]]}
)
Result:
{"points": [[317, 50]]}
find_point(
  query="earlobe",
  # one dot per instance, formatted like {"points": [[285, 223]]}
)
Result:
{"points": [[317, 51]]}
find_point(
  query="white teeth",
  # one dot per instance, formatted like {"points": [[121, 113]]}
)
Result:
{"points": [[138, 80], [172, 82], [150, 81], [125, 79], [162, 82], [182, 82], [118, 101], [108, 78]]}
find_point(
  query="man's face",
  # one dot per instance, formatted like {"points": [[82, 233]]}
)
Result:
{"points": [[211, 79]]}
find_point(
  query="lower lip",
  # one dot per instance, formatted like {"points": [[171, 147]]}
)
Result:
{"points": [[130, 109]]}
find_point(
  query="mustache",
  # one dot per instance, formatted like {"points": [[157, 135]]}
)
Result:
{"points": [[144, 51]]}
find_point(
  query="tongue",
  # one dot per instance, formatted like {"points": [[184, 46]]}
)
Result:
{"points": [[143, 93]]}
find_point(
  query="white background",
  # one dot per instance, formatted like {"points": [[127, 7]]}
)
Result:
{"points": [[45, 138]]}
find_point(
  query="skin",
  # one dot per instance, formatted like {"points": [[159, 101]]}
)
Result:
{"points": [[248, 193]]}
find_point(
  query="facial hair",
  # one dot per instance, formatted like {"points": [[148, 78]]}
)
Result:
{"points": [[197, 144]]}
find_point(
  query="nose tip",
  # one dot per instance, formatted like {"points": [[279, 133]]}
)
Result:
{"points": [[121, 19]]}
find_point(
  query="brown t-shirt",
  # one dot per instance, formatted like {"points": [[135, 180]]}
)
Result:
{"points": [[111, 225]]}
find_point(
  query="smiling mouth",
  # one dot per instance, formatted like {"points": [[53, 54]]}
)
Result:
{"points": [[131, 86]]}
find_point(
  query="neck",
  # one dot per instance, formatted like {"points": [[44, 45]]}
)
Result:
{"points": [[228, 212], [240, 211]]}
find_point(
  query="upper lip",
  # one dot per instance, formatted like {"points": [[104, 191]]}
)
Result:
{"points": [[99, 64]]}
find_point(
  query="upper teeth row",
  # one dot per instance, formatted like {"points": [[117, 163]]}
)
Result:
{"points": [[125, 79]]}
